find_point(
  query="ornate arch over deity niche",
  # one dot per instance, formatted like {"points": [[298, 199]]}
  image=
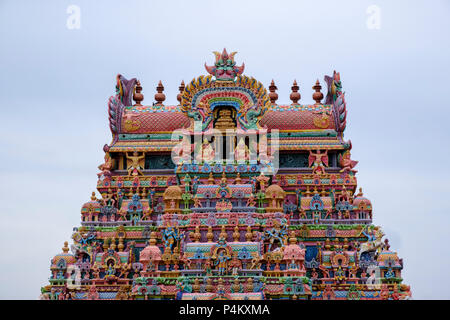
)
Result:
{"points": [[225, 98]]}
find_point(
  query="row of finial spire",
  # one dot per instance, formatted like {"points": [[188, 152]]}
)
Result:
{"points": [[295, 96]]}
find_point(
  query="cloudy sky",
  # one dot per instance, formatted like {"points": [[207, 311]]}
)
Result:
{"points": [[56, 81]]}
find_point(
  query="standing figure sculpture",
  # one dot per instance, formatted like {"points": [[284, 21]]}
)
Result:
{"points": [[171, 236], [135, 168], [318, 161], [105, 168], [221, 263], [277, 233]]}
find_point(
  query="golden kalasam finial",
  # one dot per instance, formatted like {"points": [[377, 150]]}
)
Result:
{"points": [[65, 249]]}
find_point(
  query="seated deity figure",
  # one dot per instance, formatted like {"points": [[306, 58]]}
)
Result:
{"points": [[110, 271], [206, 152], [241, 151]]}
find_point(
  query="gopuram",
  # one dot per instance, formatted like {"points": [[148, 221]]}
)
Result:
{"points": [[227, 195]]}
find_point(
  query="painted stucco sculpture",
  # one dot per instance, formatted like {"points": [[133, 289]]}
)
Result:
{"points": [[183, 221]]}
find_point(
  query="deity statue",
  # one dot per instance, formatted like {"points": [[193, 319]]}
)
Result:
{"points": [[339, 274], [223, 191], [371, 280], [221, 263], [110, 270], [316, 217], [197, 202], [207, 267], [108, 198], [171, 237], [205, 153], [256, 263], [136, 166], [95, 271], [318, 161], [314, 274], [124, 270], [181, 289], [185, 261], [373, 243], [92, 294], [195, 182], [186, 181], [277, 233], [345, 195], [346, 162], [181, 153], [151, 198], [82, 242], [262, 179], [241, 152], [220, 289], [328, 293], [61, 295], [105, 167], [235, 265]]}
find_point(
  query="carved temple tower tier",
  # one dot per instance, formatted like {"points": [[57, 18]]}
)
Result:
{"points": [[227, 195]]}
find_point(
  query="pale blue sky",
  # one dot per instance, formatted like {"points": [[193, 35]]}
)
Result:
{"points": [[55, 84]]}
